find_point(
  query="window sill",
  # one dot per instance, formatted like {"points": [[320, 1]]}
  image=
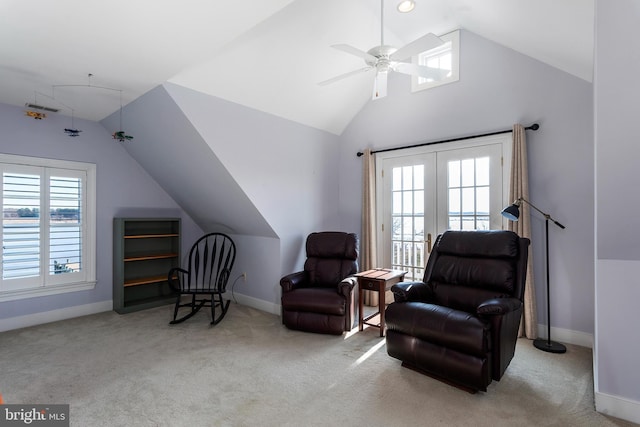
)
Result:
{"points": [[46, 290]]}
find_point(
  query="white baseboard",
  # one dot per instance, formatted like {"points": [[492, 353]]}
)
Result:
{"points": [[54, 315], [567, 336], [34, 319], [256, 303], [618, 407]]}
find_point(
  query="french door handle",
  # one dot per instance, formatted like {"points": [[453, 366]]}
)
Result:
{"points": [[428, 242]]}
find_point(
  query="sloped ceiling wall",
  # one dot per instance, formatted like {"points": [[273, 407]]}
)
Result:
{"points": [[288, 170], [171, 150]]}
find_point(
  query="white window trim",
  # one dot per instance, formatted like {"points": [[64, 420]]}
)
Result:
{"points": [[89, 265], [454, 38]]}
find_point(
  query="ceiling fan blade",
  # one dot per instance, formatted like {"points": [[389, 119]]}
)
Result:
{"points": [[424, 43], [354, 51], [380, 85], [344, 76], [420, 70]]}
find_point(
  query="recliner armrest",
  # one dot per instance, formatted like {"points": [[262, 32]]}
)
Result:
{"points": [[346, 285], [411, 291], [293, 281], [498, 306]]}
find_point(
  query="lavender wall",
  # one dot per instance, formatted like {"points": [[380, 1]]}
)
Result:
{"points": [[123, 189], [617, 349], [499, 87]]}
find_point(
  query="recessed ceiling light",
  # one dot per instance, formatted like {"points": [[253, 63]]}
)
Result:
{"points": [[406, 6]]}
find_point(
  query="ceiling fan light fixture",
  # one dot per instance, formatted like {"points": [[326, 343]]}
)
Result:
{"points": [[385, 58], [406, 6]]}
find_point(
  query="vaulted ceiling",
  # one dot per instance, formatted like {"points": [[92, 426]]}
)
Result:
{"points": [[265, 54]]}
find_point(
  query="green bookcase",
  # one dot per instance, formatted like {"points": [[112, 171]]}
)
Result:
{"points": [[144, 250]]}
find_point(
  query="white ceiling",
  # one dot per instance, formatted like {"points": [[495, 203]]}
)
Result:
{"points": [[265, 54]]}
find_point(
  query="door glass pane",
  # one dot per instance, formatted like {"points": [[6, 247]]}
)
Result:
{"points": [[467, 172], [418, 202], [407, 178], [396, 257], [454, 202], [482, 201], [418, 229], [468, 201], [407, 228], [407, 251], [396, 207], [396, 181], [418, 177], [396, 231], [407, 201], [468, 223], [482, 171], [455, 223], [483, 223], [419, 260], [454, 173]]}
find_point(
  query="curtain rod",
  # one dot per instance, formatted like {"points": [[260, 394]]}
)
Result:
{"points": [[534, 126]]}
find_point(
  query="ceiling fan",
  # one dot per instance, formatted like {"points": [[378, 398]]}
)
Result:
{"points": [[385, 58]]}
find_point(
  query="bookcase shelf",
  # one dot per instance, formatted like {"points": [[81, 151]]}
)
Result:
{"points": [[150, 236], [145, 281], [150, 257], [144, 250]]}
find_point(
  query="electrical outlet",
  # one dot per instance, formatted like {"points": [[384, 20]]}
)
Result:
{"points": [[244, 277]]}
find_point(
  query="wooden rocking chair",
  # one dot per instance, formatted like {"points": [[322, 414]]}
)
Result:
{"points": [[210, 262]]}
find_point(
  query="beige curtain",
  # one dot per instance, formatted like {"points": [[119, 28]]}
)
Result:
{"points": [[368, 257], [520, 188]]}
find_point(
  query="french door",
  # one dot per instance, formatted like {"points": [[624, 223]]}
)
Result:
{"points": [[425, 191]]}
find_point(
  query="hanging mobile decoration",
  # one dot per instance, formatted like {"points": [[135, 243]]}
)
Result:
{"points": [[118, 135], [72, 131], [35, 106], [121, 135], [36, 115]]}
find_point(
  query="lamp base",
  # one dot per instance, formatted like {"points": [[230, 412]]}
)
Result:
{"points": [[549, 346]]}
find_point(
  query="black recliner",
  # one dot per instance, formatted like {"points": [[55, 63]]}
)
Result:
{"points": [[322, 297], [460, 324]]}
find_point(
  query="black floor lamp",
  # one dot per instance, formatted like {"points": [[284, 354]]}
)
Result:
{"points": [[513, 213]]}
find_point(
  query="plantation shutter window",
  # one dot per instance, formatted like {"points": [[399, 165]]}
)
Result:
{"points": [[48, 227]]}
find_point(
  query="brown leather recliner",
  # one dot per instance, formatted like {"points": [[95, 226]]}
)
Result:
{"points": [[322, 297], [460, 324]]}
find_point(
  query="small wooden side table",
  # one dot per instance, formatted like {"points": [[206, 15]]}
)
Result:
{"points": [[377, 280]]}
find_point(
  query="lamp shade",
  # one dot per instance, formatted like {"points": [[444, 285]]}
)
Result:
{"points": [[511, 212]]}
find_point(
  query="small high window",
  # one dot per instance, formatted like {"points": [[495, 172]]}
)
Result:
{"points": [[445, 57]]}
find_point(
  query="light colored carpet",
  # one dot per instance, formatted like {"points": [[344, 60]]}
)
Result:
{"points": [[249, 370]]}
